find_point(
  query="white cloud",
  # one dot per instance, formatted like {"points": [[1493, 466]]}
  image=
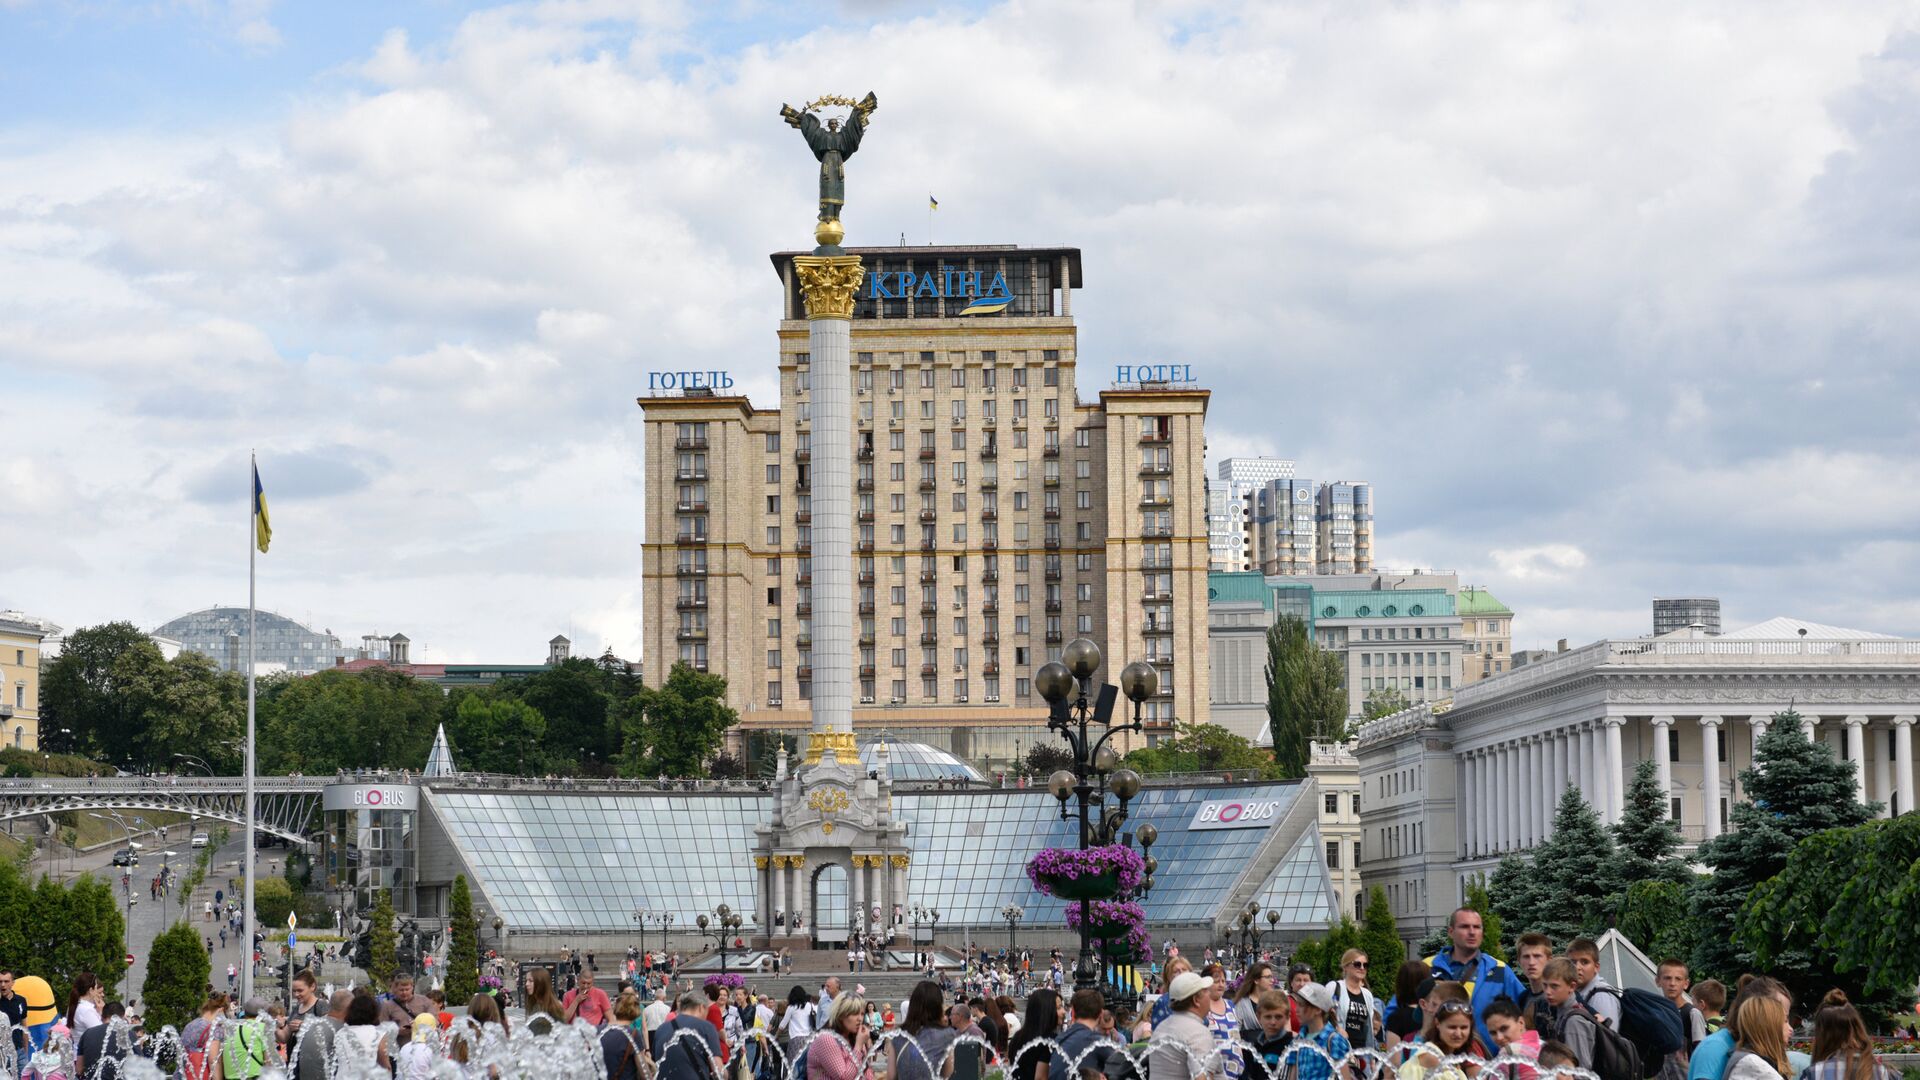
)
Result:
{"points": [[1576, 291]]}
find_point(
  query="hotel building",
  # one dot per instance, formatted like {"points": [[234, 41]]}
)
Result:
{"points": [[997, 514]]}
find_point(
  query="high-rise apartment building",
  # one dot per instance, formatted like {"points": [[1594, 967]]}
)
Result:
{"points": [[1230, 508], [997, 516], [1343, 518], [1283, 528]]}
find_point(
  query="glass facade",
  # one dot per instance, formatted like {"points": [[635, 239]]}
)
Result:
{"points": [[283, 642], [913, 761], [1298, 888], [585, 862], [362, 851]]}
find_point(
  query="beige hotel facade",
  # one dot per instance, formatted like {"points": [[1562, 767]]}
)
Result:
{"points": [[997, 514]]}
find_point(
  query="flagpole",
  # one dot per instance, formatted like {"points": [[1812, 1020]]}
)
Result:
{"points": [[253, 544]]}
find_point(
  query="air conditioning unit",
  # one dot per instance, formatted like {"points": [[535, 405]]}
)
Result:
{"points": [[962, 699], [774, 703], [897, 701], [959, 605], [993, 700], [866, 701]]}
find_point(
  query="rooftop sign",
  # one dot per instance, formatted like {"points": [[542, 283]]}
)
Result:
{"points": [[370, 797], [1236, 814], [944, 283]]}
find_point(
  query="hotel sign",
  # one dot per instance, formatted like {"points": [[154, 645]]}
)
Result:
{"points": [[1236, 814], [1153, 373], [689, 380], [984, 297]]}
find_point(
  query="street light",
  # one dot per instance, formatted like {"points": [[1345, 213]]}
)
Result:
{"points": [[1065, 684], [923, 916], [640, 920], [1013, 913], [1249, 926], [724, 924], [195, 760], [113, 815]]}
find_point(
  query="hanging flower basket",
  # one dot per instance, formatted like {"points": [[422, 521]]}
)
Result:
{"points": [[1126, 949], [1093, 874], [1109, 918]]}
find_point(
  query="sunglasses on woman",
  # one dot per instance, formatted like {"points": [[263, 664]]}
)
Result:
{"points": [[1450, 1008]]}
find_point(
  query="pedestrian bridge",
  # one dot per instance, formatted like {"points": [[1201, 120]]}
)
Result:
{"points": [[285, 806]]}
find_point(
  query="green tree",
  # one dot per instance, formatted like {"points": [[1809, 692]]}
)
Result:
{"points": [[1849, 897], [1653, 914], [1306, 694], [1480, 902], [1646, 838], [372, 719], [497, 733], [1045, 757], [178, 972], [618, 677], [1380, 937], [1384, 703], [1561, 894], [1202, 748], [272, 901], [463, 949], [83, 707], [186, 705], [1795, 789], [675, 729], [575, 699], [383, 944], [1341, 936]]}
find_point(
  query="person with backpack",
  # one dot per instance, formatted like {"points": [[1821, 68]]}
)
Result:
{"points": [[1674, 980], [249, 1045], [1485, 977], [1566, 1021], [1355, 1011], [1649, 1021]]}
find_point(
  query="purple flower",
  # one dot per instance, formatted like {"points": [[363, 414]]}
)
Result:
{"points": [[1073, 863], [1124, 912], [1138, 938]]}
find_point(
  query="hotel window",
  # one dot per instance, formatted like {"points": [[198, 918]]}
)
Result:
{"points": [[803, 380], [1019, 409], [1050, 376], [926, 373], [899, 410], [1083, 438], [926, 409], [988, 375], [866, 377], [1052, 408], [959, 378], [959, 410], [896, 379]]}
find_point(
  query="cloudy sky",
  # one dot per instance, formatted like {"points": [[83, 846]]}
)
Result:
{"points": [[1607, 300]]}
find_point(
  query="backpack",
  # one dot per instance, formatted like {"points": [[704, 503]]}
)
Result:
{"points": [[1615, 1057], [1652, 1023], [249, 1037]]}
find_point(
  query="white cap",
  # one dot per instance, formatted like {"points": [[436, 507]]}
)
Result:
{"points": [[1186, 984]]}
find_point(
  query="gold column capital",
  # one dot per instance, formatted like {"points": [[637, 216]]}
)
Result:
{"points": [[900, 862], [797, 860], [844, 750], [759, 862], [779, 862], [828, 284]]}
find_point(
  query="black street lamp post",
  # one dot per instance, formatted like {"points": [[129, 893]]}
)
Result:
{"points": [[1248, 924], [923, 916], [724, 924], [1147, 834], [1065, 684], [1013, 913]]}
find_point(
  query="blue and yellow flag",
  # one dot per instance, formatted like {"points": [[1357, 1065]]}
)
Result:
{"points": [[933, 203], [262, 530]]}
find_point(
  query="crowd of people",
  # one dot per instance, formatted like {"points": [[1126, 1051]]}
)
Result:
{"points": [[1455, 1015]]}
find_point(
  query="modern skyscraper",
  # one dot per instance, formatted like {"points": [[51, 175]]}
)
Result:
{"points": [[1343, 541], [1230, 508]]}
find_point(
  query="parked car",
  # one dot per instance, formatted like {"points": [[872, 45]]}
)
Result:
{"points": [[126, 857], [199, 839]]}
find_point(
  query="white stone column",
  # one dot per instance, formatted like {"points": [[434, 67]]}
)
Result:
{"points": [[1759, 724], [1903, 761], [777, 873], [1857, 755], [1809, 726], [1482, 809], [1590, 767], [1509, 797], [799, 891], [899, 871], [857, 890], [829, 284], [1530, 788], [1461, 775], [1710, 777], [1615, 768], [1556, 774], [1662, 760], [1882, 772]]}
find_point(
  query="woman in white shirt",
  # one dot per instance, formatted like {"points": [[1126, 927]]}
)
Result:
{"points": [[83, 1004]]}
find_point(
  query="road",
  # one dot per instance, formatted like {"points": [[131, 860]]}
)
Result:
{"points": [[150, 916]]}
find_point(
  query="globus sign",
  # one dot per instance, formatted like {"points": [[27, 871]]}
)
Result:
{"points": [[370, 797], [1236, 814]]}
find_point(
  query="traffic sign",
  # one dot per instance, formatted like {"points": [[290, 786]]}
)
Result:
{"points": [[292, 921], [129, 959]]}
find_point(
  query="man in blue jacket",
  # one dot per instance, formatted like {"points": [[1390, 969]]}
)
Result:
{"points": [[1486, 978]]}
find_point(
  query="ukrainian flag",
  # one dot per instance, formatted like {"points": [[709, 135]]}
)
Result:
{"points": [[262, 529], [933, 203]]}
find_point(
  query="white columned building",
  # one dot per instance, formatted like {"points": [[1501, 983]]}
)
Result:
{"points": [[1695, 705]]}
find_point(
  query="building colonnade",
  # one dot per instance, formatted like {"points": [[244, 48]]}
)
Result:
{"points": [[786, 888], [1510, 789]]}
